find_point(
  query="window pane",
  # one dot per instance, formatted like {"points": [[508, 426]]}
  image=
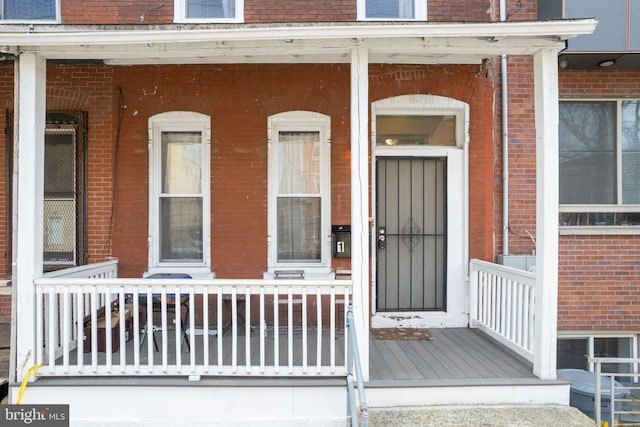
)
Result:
{"points": [[181, 229], [211, 9], [631, 152], [30, 9], [299, 229], [390, 9], [181, 163], [613, 347], [416, 130], [571, 353], [59, 164], [587, 153], [299, 161]]}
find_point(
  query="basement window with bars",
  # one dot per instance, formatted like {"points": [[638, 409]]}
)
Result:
{"points": [[29, 10], [599, 166], [203, 11]]}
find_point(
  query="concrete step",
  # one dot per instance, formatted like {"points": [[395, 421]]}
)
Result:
{"points": [[477, 416]]}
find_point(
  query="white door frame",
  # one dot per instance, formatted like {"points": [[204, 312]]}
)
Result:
{"points": [[457, 299]]}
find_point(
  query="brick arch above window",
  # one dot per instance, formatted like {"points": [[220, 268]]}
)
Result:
{"points": [[66, 99]]}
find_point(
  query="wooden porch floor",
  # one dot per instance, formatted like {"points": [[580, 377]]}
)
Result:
{"points": [[453, 356]]}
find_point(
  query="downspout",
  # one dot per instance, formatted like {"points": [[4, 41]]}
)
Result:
{"points": [[505, 144]]}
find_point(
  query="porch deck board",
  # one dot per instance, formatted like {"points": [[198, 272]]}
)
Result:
{"points": [[198, 347], [500, 361], [453, 354]]}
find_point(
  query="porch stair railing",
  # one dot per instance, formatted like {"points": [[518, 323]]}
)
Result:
{"points": [[221, 327], [616, 399], [502, 305], [353, 363]]}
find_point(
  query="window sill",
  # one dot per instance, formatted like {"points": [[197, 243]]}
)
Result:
{"points": [[599, 230], [318, 273], [194, 272], [209, 21]]}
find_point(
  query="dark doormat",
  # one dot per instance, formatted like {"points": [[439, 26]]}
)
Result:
{"points": [[401, 334]]}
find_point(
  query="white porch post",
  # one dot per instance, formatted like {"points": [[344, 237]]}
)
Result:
{"points": [[546, 294], [360, 199], [29, 117]]}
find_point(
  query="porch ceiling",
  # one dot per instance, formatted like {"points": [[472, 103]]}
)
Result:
{"points": [[419, 43]]}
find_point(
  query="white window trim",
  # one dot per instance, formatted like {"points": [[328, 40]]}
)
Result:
{"points": [[187, 122], [457, 156], [585, 230], [420, 7], [590, 336], [180, 16], [300, 121], [57, 19]]}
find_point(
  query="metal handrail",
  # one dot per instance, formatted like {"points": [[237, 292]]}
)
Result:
{"points": [[615, 388], [353, 358]]}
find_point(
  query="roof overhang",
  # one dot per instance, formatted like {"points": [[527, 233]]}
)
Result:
{"points": [[422, 43]]}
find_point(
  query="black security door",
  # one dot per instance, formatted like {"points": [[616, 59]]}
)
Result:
{"points": [[411, 237]]}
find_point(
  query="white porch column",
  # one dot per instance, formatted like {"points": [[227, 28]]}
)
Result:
{"points": [[29, 117], [360, 199], [546, 294]]}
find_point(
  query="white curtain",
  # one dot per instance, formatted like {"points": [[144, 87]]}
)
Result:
{"points": [[298, 196]]}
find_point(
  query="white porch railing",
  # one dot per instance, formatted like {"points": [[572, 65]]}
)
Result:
{"points": [[219, 327], [101, 270], [502, 305]]}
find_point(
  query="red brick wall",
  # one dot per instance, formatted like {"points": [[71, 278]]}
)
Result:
{"points": [[6, 103], [599, 286], [256, 11], [468, 83], [270, 11], [459, 11], [522, 158], [5, 308], [91, 89], [598, 275], [239, 99], [117, 12]]}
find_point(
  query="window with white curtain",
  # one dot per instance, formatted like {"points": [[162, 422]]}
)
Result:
{"points": [[179, 190], [209, 10], [299, 191], [599, 162], [392, 10]]}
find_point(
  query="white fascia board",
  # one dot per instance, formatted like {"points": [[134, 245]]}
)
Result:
{"points": [[405, 50], [71, 36]]}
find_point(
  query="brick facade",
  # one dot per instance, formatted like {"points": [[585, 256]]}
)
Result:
{"points": [[151, 12], [239, 145], [598, 287], [596, 272]]}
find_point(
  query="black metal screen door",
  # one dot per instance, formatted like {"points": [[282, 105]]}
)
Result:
{"points": [[411, 234]]}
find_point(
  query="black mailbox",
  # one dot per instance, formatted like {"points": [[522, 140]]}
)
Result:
{"points": [[341, 236]]}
